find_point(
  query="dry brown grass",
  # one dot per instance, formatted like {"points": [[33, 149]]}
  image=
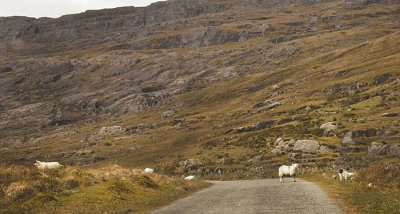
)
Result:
{"points": [[67, 190]]}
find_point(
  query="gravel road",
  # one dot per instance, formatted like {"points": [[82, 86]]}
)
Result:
{"points": [[256, 196]]}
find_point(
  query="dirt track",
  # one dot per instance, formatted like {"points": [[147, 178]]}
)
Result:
{"points": [[256, 196]]}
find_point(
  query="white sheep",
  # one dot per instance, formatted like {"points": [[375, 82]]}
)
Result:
{"points": [[344, 175], [149, 170], [288, 170], [47, 165], [191, 177]]}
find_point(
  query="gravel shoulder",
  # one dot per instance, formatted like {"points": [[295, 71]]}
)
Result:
{"points": [[256, 196]]}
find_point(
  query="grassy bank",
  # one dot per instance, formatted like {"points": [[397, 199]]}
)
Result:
{"points": [[110, 189], [355, 196]]}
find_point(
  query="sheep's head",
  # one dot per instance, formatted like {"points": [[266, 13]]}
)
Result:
{"points": [[37, 163], [295, 165]]}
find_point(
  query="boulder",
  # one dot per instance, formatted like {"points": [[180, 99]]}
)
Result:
{"points": [[378, 149], [306, 145], [348, 139], [328, 127]]}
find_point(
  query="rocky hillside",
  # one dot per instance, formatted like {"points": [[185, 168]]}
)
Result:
{"points": [[204, 86]]}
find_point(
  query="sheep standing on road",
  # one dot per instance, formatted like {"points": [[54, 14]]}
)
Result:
{"points": [[344, 175], [288, 170], [47, 165]]}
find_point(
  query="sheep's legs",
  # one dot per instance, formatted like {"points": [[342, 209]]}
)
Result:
{"points": [[294, 178], [281, 179]]}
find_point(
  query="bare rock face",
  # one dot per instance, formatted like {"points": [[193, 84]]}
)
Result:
{"points": [[306, 145]]}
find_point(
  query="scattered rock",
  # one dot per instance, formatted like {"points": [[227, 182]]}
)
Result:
{"points": [[190, 164], [335, 89], [306, 145], [378, 149], [348, 139], [353, 88], [111, 130], [395, 150], [276, 152], [324, 149], [391, 115], [167, 114], [328, 127], [275, 87], [257, 158], [387, 134], [381, 79], [265, 124], [294, 156], [83, 152], [268, 104]]}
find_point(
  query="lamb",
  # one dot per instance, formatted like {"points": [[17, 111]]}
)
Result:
{"points": [[344, 175], [288, 170], [47, 165], [149, 170]]}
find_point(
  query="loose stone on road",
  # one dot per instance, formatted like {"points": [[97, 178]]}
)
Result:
{"points": [[256, 196]]}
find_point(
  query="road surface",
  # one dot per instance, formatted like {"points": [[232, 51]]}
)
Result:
{"points": [[256, 196]]}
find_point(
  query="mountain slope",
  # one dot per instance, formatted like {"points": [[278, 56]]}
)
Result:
{"points": [[188, 79]]}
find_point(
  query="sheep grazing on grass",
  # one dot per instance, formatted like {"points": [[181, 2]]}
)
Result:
{"points": [[191, 177], [149, 170], [288, 170], [344, 175], [47, 165]]}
